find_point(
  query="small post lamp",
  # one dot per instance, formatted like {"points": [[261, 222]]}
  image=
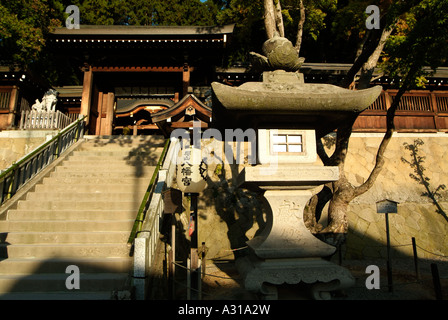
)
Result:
{"points": [[191, 180], [387, 206]]}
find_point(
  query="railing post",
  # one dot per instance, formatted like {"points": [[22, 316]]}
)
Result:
{"points": [[414, 249], [13, 184], [436, 281], [434, 109]]}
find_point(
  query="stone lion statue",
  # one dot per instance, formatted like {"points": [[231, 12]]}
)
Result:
{"points": [[48, 103]]}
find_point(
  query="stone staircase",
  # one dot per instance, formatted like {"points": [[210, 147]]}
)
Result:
{"points": [[80, 214]]}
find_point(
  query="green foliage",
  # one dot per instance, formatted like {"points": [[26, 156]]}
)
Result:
{"points": [[247, 15], [421, 40], [350, 20], [23, 29], [148, 12], [25, 25]]}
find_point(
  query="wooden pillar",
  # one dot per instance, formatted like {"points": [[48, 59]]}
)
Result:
{"points": [[14, 97], [99, 120], [87, 92], [107, 113], [434, 109], [185, 79]]}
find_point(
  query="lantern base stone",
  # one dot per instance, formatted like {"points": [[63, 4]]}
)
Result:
{"points": [[286, 252], [321, 276]]}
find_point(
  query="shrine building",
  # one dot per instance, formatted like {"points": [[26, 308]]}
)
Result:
{"points": [[154, 79]]}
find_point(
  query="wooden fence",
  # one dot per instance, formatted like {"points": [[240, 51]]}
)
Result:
{"points": [[34, 120], [418, 111]]}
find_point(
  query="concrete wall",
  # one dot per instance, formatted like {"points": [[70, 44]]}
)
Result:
{"points": [[15, 144], [229, 216]]}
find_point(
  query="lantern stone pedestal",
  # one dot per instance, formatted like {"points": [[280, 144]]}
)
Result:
{"points": [[289, 114], [286, 251]]}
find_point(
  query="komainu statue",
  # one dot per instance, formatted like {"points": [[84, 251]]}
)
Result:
{"points": [[48, 103]]}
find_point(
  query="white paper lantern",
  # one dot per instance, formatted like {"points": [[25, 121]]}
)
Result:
{"points": [[191, 170]]}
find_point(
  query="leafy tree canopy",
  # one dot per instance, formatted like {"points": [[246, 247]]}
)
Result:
{"points": [[333, 30], [421, 41], [24, 26]]}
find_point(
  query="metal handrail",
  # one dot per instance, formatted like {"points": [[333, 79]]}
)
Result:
{"points": [[20, 172], [141, 215]]}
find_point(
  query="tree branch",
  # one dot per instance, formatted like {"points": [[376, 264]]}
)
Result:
{"points": [[390, 128], [269, 19], [300, 26], [369, 66], [322, 153], [279, 18]]}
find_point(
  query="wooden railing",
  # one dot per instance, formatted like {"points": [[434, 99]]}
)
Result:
{"points": [[19, 173], [39, 120], [418, 111], [5, 96]]}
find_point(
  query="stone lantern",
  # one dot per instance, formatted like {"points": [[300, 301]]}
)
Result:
{"points": [[191, 180], [288, 115]]}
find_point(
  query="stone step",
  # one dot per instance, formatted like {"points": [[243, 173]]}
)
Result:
{"points": [[124, 141], [125, 173], [93, 196], [57, 282], [59, 237], [131, 204], [80, 214], [143, 173], [69, 215], [92, 188], [69, 250], [64, 226], [57, 295], [134, 147], [59, 265], [89, 170], [115, 154], [81, 181], [143, 160], [98, 157], [97, 162]]}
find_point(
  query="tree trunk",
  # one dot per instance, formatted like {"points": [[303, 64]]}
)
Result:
{"points": [[269, 18], [369, 66], [344, 191], [337, 215], [370, 45], [279, 18], [300, 26]]}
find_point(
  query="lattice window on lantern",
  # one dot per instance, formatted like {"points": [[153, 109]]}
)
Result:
{"points": [[286, 146], [287, 143]]}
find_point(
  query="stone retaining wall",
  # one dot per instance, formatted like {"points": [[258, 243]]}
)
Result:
{"points": [[15, 144], [230, 216], [417, 216]]}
